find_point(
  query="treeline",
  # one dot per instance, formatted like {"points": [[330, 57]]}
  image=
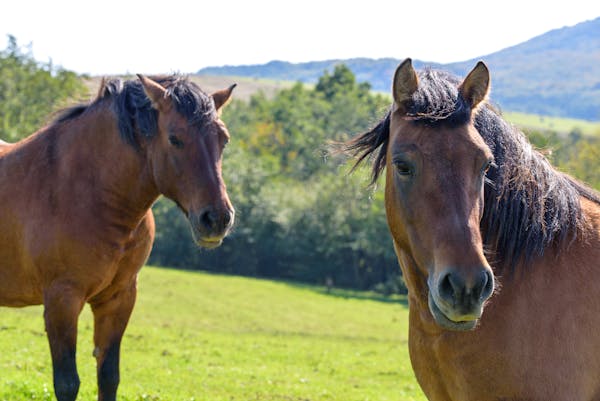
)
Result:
{"points": [[300, 215]]}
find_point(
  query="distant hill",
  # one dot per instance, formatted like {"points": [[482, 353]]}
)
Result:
{"points": [[554, 74], [377, 72], [209, 83]]}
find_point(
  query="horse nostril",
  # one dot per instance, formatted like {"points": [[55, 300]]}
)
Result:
{"points": [[486, 285], [209, 219], [450, 287], [453, 288]]}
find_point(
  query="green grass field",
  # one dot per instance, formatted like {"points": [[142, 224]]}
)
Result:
{"points": [[560, 125], [195, 336]]}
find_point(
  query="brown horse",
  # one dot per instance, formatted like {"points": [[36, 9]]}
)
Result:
{"points": [[75, 218], [472, 208]]}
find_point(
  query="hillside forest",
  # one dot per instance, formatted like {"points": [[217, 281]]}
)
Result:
{"points": [[300, 214]]}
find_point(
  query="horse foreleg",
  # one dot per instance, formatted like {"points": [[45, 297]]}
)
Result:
{"points": [[111, 315], [62, 306]]}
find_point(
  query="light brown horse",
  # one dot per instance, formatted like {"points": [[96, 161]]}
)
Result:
{"points": [[480, 220], [75, 218]]}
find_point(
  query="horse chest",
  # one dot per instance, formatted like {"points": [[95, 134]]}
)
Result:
{"points": [[457, 366], [504, 362], [447, 371]]}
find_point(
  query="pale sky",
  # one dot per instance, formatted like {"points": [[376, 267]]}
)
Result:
{"points": [[116, 37]]}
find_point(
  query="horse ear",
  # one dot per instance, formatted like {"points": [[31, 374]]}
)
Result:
{"points": [[475, 87], [221, 97], [102, 90], [405, 84], [155, 92]]}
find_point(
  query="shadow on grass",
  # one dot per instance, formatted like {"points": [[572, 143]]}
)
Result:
{"points": [[351, 294], [319, 289]]}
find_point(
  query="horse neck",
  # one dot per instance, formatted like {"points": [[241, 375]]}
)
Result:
{"points": [[416, 283], [118, 175]]}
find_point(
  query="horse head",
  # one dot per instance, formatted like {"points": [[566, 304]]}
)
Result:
{"points": [[185, 156], [436, 164]]}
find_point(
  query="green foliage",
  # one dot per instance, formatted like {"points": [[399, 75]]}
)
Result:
{"points": [[30, 91], [585, 164], [205, 337], [576, 154]]}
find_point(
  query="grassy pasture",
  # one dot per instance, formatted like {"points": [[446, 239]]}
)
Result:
{"points": [[545, 123], [195, 336]]}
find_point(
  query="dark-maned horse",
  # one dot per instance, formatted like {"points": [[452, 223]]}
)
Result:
{"points": [[75, 218], [472, 208]]}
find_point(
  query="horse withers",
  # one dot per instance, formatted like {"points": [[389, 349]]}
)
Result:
{"points": [[75, 221], [498, 249]]}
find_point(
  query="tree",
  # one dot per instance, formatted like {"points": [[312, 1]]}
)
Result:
{"points": [[30, 91]]}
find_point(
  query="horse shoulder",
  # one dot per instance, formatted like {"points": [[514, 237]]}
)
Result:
{"points": [[125, 262], [137, 249], [143, 235]]}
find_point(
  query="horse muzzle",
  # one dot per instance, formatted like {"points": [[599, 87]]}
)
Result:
{"points": [[211, 225], [457, 303]]}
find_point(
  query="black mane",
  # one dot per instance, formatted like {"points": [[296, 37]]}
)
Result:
{"points": [[136, 117], [529, 205], [437, 101]]}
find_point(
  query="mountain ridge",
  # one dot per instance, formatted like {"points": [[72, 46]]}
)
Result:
{"points": [[555, 74]]}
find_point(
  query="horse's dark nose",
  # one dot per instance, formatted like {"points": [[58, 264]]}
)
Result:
{"points": [[214, 221], [465, 293], [209, 219]]}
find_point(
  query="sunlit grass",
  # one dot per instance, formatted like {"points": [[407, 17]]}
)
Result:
{"points": [[557, 124], [196, 336]]}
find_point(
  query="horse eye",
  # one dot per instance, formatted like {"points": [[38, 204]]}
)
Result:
{"points": [[173, 140], [403, 168]]}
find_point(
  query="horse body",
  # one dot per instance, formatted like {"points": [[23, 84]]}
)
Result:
{"points": [[84, 219], [75, 222], [467, 196]]}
